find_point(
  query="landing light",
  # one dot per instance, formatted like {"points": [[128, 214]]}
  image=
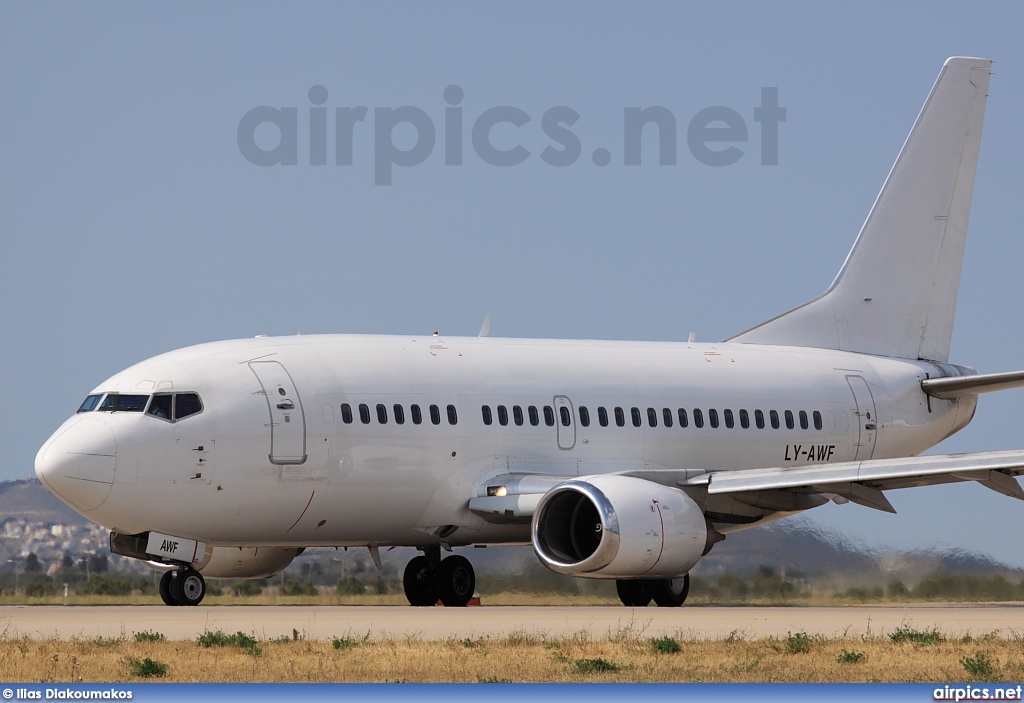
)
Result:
{"points": [[499, 491]]}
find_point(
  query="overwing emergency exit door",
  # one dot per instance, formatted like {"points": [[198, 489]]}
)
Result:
{"points": [[565, 421]]}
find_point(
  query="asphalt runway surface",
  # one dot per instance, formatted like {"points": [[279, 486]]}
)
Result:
{"points": [[439, 623]]}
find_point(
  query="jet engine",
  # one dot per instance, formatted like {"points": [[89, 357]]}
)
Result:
{"points": [[619, 527]]}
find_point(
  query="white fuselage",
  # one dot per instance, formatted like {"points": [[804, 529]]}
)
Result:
{"points": [[273, 460]]}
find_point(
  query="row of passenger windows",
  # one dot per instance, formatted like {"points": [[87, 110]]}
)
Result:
{"points": [[668, 417], [519, 416], [398, 410]]}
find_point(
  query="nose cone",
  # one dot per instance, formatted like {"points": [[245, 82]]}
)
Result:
{"points": [[79, 462]]}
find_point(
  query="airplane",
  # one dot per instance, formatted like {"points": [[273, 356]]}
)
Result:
{"points": [[614, 460]]}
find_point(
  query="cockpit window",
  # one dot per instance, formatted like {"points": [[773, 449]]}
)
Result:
{"points": [[90, 403], [115, 402], [175, 406], [186, 404], [161, 406]]}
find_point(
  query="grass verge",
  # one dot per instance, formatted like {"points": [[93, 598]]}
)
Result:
{"points": [[221, 657]]}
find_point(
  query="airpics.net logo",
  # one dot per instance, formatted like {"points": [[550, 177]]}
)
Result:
{"points": [[715, 136]]}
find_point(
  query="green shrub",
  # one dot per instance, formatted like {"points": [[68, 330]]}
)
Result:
{"points": [[349, 586], [665, 645], [798, 643], [298, 588], [905, 633], [110, 585], [897, 589], [244, 589], [216, 638], [850, 657], [35, 590], [149, 636], [979, 666], [594, 666], [347, 642], [146, 668]]}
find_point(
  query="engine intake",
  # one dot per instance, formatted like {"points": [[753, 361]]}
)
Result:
{"points": [[619, 527]]}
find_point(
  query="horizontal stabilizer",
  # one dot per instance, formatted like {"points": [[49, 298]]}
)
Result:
{"points": [[957, 386]]}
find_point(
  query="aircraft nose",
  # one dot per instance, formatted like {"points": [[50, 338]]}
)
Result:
{"points": [[79, 462]]}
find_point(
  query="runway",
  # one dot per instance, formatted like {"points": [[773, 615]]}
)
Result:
{"points": [[438, 623]]}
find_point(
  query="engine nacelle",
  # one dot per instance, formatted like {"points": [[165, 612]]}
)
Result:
{"points": [[247, 562], [618, 527]]}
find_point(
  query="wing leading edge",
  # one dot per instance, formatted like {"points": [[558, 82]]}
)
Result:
{"points": [[862, 482]]}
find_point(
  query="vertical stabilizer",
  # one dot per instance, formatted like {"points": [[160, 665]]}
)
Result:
{"points": [[896, 293]]}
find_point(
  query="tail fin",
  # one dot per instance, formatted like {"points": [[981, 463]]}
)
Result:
{"points": [[896, 293]]}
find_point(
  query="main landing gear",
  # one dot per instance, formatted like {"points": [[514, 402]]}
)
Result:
{"points": [[428, 579], [182, 586], [667, 593]]}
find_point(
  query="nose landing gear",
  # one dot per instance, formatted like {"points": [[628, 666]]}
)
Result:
{"points": [[428, 579], [182, 586]]}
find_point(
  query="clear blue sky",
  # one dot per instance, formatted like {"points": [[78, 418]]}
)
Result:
{"points": [[132, 224]]}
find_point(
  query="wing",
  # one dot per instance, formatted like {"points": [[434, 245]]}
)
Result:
{"points": [[512, 498], [862, 482]]}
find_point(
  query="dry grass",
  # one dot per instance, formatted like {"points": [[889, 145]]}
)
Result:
{"points": [[626, 656]]}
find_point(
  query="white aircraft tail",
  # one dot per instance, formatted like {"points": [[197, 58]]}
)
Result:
{"points": [[896, 293]]}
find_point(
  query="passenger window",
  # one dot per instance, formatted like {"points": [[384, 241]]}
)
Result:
{"points": [[346, 413], [186, 404], [803, 420], [549, 416], [774, 416], [90, 403], [117, 403], [602, 416], [563, 413], [744, 419], [713, 418], [666, 416], [435, 415], [160, 406], [382, 414], [729, 423], [817, 420], [534, 417], [453, 418], [517, 415], [759, 419], [364, 413], [789, 420], [584, 416], [698, 418], [652, 417], [485, 410], [417, 416], [399, 414], [635, 415], [502, 415], [683, 420], [620, 417]]}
